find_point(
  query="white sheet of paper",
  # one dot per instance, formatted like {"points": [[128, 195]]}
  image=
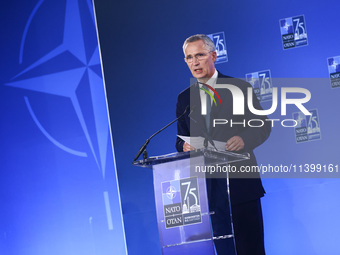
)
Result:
{"points": [[198, 142]]}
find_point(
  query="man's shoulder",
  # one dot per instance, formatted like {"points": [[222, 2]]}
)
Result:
{"points": [[186, 92], [221, 75], [242, 84]]}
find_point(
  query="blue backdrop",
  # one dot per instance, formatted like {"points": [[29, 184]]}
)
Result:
{"points": [[144, 70], [59, 192]]}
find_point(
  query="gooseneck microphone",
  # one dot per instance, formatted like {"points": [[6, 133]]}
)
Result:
{"points": [[143, 148]]}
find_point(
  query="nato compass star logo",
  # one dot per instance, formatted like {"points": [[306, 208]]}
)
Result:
{"points": [[71, 64], [171, 192]]}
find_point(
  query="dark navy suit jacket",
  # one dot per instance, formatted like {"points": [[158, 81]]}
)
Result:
{"points": [[241, 189]]}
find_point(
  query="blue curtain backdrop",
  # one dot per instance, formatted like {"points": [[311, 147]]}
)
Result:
{"points": [[59, 192], [142, 54]]}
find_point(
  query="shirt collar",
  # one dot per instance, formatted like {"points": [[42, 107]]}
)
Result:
{"points": [[212, 81]]}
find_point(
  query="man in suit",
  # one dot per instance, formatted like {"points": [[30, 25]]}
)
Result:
{"points": [[238, 135]]}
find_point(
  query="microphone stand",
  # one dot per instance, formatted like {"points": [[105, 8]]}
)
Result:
{"points": [[206, 135], [143, 148]]}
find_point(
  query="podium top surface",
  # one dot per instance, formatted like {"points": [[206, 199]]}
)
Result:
{"points": [[218, 156]]}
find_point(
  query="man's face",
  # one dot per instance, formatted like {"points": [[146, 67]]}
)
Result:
{"points": [[201, 69]]}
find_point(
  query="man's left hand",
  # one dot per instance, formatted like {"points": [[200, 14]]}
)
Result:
{"points": [[235, 143]]}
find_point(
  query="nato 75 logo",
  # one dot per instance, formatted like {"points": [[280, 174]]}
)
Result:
{"points": [[334, 71], [220, 45], [181, 202], [293, 32], [262, 84], [308, 126]]}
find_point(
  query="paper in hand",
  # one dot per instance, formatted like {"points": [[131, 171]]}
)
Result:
{"points": [[198, 142]]}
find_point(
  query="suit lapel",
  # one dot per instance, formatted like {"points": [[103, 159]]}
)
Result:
{"points": [[216, 108], [226, 100], [195, 101]]}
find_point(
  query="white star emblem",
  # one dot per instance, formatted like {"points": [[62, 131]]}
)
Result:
{"points": [[66, 83]]}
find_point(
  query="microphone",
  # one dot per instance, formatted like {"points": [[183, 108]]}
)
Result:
{"points": [[206, 135], [143, 148]]}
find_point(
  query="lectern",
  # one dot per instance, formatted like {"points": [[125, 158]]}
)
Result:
{"points": [[182, 206]]}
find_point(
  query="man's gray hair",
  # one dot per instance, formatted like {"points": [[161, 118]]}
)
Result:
{"points": [[209, 44]]}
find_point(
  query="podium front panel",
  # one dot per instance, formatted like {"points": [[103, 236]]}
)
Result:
{"points": [[182, 208]]}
